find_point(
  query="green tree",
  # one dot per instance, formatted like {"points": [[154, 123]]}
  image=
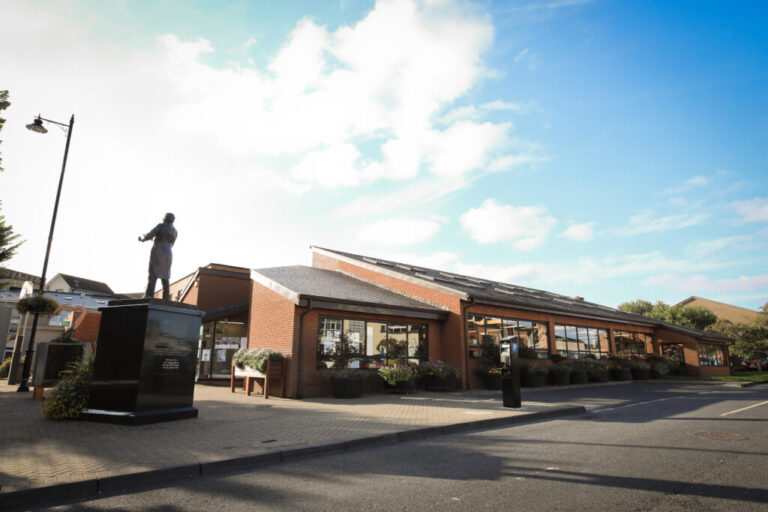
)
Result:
{"points": [[8, 241], [4, 104], [688, 316], [692, 316], [658, 311]]}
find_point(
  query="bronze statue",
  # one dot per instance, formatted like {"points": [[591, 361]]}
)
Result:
{"points": [[161, 257]]}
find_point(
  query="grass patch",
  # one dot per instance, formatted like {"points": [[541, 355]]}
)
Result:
{"points": [[736, 377]]}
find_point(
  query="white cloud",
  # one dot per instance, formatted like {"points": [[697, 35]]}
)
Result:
{"points": [[526, 226], [752, 210], [521, 54], [330, 167], [696, 181], [706, 247], [464, 147], [399, 232], [579, 232], [705, 284], [646, 222]]}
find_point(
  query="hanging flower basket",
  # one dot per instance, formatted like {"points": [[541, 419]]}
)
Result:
{"points": [[37, 304]]}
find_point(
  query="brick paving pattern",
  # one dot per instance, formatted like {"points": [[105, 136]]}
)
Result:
{"points": [[35, 452]]}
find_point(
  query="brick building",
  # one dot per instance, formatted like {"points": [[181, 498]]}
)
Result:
{"points": [[429, 314], [223, 294]]}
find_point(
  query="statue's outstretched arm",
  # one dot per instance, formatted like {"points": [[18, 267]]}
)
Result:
{"points": [[151, 234]]}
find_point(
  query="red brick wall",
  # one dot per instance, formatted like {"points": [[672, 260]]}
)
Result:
{"points": [[214, 291], [88, 329], [272, 325]]}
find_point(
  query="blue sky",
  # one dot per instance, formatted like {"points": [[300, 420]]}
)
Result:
{"points": [[612, 150]]}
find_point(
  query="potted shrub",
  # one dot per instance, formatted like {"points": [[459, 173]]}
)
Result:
{"points": [[579, 370], [256, 358], [437, 376], [640, 370], [70, 395], [598, 372], [399, 379], [560, 374], [660, 366], [534, 376], [622, 368], [345, 382], [492, 379]]}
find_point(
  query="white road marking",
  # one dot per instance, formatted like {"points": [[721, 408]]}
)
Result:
{"points": [[639, 403], [744, 408]]}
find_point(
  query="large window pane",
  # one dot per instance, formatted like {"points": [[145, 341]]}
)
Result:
{"points": [[605, 344], [509, 328], [560, 341], [417, 343], [492, 330], [475, 328], [376, 346], [525, 333], [583, 339], [540, 336]]}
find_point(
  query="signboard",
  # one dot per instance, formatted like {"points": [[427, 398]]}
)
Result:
{"points": [[206, 356]]}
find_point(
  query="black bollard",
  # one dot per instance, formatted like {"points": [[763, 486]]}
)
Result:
{"points": [[510, 381]]}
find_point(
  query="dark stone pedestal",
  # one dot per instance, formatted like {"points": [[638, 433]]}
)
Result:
{"points": [[144, 371]]}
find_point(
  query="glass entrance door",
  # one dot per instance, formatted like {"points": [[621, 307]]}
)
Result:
{"points": [[219, 341]]}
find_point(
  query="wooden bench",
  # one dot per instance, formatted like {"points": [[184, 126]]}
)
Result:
{"points": [[276, 370]]}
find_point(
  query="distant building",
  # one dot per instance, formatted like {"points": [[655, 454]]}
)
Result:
{"points": [[723, 311], [73, 284], [15, 279]]}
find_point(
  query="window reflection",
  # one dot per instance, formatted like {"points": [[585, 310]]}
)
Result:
{"points": [[380, 343]]}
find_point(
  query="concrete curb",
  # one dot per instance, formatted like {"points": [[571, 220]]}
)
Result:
{"points": [[91, 488]]}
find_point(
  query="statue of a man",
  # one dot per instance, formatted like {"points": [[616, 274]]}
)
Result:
{"points": [[161, 257]]}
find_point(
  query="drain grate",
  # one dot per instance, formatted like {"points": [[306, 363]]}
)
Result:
{"points": [[721, 436]]}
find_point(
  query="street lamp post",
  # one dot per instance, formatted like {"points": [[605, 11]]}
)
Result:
{"points": [[37, 126]]}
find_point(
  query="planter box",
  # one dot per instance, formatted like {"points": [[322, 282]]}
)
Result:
{"points": [[440, 383], [492, 381], [406, 386], [621, 374], [600, 377], [641, 373], [579, 377], [561, 378], [347, 388], [534, 380], [274, 371]]}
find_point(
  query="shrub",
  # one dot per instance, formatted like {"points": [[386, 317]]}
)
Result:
{"points": [[345, 374], [69, 397], [37, 304], [560, 369], [524, 352], [395, 374], [436, 369], [256, 358], [5, 368]]}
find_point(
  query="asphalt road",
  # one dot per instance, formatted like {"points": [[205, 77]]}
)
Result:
{"points": [[643, 447]]}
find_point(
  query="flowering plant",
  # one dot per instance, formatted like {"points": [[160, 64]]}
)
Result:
{"points": [[436, 369], [394, 374]]}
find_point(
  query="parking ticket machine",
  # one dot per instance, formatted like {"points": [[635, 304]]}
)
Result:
{"points": [[510, 383]]}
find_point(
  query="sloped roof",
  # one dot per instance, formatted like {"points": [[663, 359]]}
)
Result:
{"points": [[504, 294], [300, 282], [86, 285]]}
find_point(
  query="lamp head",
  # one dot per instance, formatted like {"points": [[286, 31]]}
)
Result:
{"points": [[37, 126]]}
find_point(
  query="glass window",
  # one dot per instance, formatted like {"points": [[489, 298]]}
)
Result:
{"points": [[509, 328], [525, 333], [605, 344], [492, 330], [560, 341], [540, 337], [572, 340], [475, 328], [379, 343], [594, 345], [711, 355]]}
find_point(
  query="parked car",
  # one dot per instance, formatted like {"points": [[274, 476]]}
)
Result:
{"points": [[755, 364]]}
